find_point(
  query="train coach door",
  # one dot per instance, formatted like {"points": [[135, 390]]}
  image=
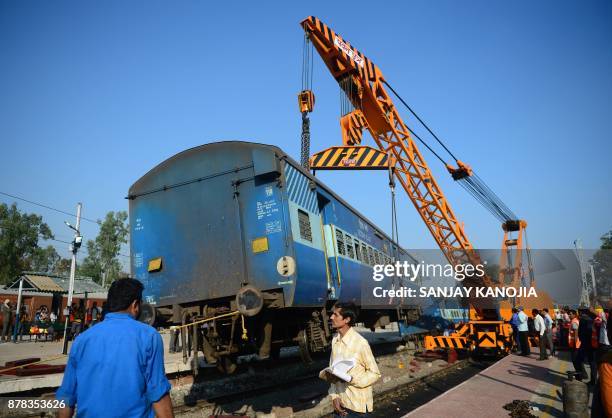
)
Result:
{"points": [[329, 248]]}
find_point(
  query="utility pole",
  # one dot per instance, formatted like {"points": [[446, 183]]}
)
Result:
{"points": [[16, 328], [74, 247]]}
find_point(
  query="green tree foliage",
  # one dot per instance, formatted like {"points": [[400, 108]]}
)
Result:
{"points": [[19, 235], [47, 260], [44, 259], [102, 253], [602, 265]]}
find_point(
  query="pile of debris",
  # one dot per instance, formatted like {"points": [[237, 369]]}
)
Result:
{"points": [[519, 409]]}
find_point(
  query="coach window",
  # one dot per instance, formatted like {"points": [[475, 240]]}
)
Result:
{"points": [[364, 254], [371, 256], [350, 251], [304, 222], [358, 251], [340, 242]]}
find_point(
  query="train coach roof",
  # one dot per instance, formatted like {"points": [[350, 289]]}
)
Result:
{"points": [[134, 191]]}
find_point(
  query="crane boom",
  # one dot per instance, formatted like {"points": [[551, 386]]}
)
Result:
{"points": [[373, 109]]}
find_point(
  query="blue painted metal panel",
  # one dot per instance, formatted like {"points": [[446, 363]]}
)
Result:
{"points": [[311, 286], [186, 211]]}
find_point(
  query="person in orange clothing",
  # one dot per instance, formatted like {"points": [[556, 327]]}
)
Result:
{"points": [[573, 341], [602, 394]]}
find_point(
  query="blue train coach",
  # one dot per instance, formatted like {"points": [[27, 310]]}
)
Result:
{"points": [[238, 226]]}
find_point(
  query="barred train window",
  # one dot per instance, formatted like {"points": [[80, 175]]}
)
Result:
{"points": [[304, 223], [340, 241], [371, 256], [350, 252], [364, 254], [358, 251]]}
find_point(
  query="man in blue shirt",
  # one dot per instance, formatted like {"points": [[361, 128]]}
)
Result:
{"points": [[116, 369], [514, 323], [523, 329]]}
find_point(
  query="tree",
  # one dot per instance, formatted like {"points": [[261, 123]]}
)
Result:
{"points": [[44, 259], [102, 263], [47, 260], [602, 266], [19, 235]]}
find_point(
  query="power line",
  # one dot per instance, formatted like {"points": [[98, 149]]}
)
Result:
{"points": [[49, 207], [64, 242]]}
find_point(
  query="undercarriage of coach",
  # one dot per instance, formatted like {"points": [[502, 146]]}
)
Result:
{"points": [[253, 323]]}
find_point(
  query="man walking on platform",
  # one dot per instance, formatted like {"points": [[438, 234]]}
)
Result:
{"points": [[116, 369], [540, 327], [523, 330], [352, 398]]}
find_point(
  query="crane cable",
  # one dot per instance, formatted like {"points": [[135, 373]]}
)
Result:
{"points": [[307, 73], [420, 120], [473, 183], [307, 63]]}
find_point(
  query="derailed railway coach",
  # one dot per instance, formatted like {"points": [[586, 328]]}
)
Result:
{"points": [[239, 240]]}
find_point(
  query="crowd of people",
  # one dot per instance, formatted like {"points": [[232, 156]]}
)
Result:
{"points": [[44, 321], [585, 333]]}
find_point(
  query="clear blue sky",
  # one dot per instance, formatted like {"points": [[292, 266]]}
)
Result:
{"points": [[94, 94]]}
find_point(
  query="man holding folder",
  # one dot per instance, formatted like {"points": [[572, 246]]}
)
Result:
{"points": [[352, 398]]}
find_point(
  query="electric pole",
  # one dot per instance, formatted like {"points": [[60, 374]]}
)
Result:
{"points": [[74, 247]]}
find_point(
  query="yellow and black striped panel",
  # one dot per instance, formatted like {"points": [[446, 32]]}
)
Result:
{"points": [[432, 343], [487, 339], [350, 157], [356, 60]]}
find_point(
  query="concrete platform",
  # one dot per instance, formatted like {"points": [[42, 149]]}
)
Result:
{"points": [[512, 378]]}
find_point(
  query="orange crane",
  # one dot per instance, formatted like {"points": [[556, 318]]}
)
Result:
{"points": [[368, 105]]}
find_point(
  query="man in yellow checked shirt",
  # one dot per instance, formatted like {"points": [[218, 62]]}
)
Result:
{"points": [[351, 398]]}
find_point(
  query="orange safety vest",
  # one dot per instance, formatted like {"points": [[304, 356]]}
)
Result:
{"points": [[572, 338]]}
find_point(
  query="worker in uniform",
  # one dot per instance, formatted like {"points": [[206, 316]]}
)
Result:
{"points": [[351, 398], [602, 392], [574, 344]]}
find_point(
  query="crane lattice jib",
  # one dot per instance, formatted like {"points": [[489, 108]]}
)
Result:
{"points": [[364, 83]]}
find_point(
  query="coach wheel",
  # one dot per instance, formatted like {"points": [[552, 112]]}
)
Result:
{"points": [[227, 364], [302, 339]]}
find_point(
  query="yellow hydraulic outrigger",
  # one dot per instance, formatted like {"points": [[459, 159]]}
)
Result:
{"points": [[368, 105]]}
